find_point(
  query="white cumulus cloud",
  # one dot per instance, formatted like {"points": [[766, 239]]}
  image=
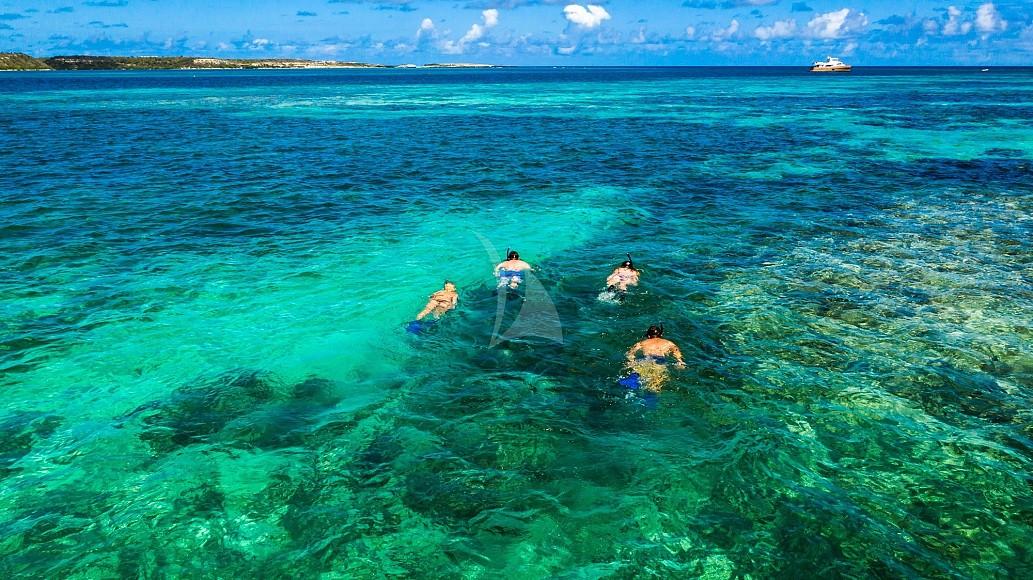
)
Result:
{"points": [[726, 33], [258, 44], [828, 25], [836, 24], [587, 16], [780, 29], [491, 19], [988, 19], [955, 25], [426, 29]]}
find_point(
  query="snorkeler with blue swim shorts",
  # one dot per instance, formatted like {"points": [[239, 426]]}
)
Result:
{"points": [[648, 360], [511, 272]]}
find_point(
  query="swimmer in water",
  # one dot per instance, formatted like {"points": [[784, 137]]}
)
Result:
{"points": [[625, 275], [511, 272], [441, 301], [656, 351]]}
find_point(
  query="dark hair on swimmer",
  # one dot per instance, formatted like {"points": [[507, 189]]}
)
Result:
{"points": [[655, 331], [513, 256], [626, 264]]}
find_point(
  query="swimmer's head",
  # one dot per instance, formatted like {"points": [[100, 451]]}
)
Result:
{"points": [[626, 264], [655, 332], [513, 256], [449, 285]]}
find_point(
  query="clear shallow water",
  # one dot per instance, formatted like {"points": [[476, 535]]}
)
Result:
{"points": [[206, 276]]}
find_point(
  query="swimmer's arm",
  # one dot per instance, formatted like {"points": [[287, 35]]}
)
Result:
{"points": [[612, 279], [631, 353], [677, 356]]}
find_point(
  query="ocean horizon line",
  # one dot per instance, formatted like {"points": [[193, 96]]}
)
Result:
{"points": [[17, 61]]}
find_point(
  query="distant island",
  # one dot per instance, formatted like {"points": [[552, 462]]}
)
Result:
{"points": [[19, 61]]}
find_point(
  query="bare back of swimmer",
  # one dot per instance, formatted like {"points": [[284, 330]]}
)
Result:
{"points": [[511, 272], [441, 301]]}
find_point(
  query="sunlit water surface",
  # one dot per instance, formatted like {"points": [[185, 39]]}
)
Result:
{"points": [[206, 276]]}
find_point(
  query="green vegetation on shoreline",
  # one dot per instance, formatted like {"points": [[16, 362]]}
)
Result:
{"points": [[19, 61]]}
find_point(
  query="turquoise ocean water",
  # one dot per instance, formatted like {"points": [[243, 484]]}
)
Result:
{"points": [[206, 275]]}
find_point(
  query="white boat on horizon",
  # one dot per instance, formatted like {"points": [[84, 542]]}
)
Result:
{"points": [[830, 64]]}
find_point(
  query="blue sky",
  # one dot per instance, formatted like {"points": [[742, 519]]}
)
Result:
{"points": [[533, 32]]}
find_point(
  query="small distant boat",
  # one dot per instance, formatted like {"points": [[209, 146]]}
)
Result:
{"points": [[984, 70], [830, 64]]}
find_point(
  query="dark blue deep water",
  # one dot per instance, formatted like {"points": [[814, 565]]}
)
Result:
{"points": [[206, 277]]}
